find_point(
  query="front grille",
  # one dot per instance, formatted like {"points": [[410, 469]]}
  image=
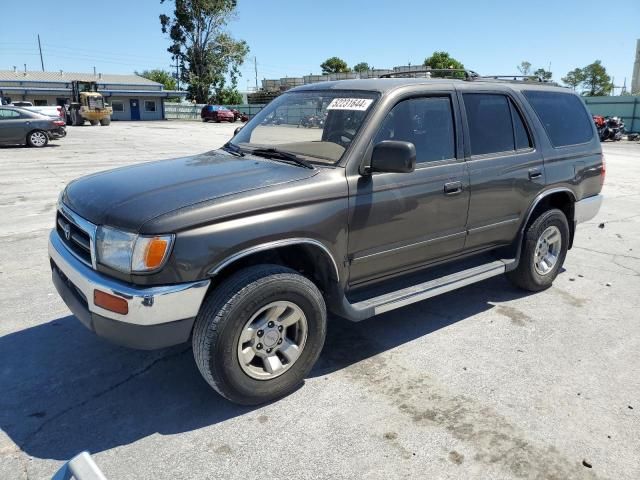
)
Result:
{"points": [[75, 238]]}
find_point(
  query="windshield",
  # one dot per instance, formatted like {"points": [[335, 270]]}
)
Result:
{"points": [[317, 125]]}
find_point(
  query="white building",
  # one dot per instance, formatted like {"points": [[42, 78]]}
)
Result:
{"points": [[635, 80], [132, 97]]}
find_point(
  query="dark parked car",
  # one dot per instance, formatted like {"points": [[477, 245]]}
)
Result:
{"points": [[412, 187], [216, 113], [19, 126]]}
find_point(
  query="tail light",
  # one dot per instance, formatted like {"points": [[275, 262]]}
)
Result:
{"points": [[58, 123], [603, 171]]}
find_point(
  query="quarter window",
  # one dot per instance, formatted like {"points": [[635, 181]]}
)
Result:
{"points": [[427, 123], [563, 115], [149, 106], [521, 136]]}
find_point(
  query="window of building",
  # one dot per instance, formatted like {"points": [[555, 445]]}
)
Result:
{"points": [[117, 106], [149, 105], [563, 115], [39, 103], [427, 123]]}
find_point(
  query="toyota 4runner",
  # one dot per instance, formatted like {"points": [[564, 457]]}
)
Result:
{"points": [[410, 188]]}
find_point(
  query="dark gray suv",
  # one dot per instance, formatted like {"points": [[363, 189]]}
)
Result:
{"points": [[407, 188]]}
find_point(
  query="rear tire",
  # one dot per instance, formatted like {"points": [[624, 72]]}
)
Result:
{"points": [[265, 309], [94, 122], [37, 139], [544, 249], [105, 122], [76, 118]]}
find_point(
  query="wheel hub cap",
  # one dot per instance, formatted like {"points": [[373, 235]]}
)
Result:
{"points": [[547, 250], [272, 340]]}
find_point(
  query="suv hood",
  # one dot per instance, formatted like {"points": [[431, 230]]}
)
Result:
{"points": [[128, 197]]}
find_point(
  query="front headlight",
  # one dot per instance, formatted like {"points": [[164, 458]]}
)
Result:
{"points": [[131, 253]]}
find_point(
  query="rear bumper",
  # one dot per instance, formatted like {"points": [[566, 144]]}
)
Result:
{"points": [[587, 208], [158, 316]]}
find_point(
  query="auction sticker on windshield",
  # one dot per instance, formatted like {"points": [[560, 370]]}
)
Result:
{"points": [[360, 104]]}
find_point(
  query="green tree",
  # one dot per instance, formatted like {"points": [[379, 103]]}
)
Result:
{"points": [[596, 82], [334, 65], [573, 78], [227, 96], [544, 74], [200, 42], [160, 76], [524, 68], [361, 67], [442, 60]]}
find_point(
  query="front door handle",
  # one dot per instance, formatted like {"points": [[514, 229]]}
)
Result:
{"points": [[452, 188], [534, 173]]}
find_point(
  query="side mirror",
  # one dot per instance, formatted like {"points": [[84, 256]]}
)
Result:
{"points": [[235, 132], [392, 156]]}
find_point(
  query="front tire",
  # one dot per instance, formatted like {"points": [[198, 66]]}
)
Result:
{"points": [[105, 122], [259, 333], [37, 139], [545, 246]]}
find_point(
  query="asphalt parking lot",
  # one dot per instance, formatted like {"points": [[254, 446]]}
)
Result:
{"points": [[485, 382]]}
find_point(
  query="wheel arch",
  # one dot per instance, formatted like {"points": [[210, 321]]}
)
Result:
{"points": [[562, 198], [305, 255]]}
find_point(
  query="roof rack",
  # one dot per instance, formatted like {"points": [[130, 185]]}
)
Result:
{"points": [[468, 74], [515, 78]]}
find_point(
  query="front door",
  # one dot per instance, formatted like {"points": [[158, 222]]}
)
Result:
{"points": [[134, 104], [401, 221]]}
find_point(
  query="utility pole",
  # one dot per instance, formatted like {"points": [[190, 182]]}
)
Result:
{"points": [[255, 68], [40, 48], [177, 65]]}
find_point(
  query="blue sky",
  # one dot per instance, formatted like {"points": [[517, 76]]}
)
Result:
{"points": [[292, 38]]}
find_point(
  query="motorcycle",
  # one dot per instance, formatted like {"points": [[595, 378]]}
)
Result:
{"points": [[609, 128]]}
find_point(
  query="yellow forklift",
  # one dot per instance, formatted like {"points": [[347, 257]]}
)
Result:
{"points": [[87, 105]]}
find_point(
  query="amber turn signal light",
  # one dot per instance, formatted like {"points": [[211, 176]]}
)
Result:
{"points": [[154, 253], [110, 302]]}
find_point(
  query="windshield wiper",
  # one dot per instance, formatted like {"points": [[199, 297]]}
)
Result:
{"points": [[233, 149], [281, 155]]}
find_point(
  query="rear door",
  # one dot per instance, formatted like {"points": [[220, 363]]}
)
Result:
{"points": [[505, 168], [12, 127], [401, 221]]}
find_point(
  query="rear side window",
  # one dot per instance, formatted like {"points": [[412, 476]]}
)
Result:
{"points": [[563, 115], [495, 124], [427, 123]]}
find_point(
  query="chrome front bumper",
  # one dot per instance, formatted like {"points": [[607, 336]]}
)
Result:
{"points": [[147, 306], [587, 208]]}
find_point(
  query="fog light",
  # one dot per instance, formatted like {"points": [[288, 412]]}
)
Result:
{"points": [[110, 302]]}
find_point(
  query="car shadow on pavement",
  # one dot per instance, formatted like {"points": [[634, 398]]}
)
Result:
{"points": [[64, 390]]}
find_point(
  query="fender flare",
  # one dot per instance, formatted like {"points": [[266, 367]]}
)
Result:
{"points": [[272, 245]]}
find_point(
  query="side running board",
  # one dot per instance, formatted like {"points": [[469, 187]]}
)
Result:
{"points": [[416, 293]]}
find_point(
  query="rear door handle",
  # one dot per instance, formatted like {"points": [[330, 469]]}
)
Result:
{"points": [[452, 188], [534, 173]]}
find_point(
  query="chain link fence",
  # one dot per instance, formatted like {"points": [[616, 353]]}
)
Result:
{"points": [[186, 111]]}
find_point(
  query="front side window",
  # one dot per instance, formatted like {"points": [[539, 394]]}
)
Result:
{"points": [[563, 115], [8, 114], [318, 124], [427, 123], [149, 106]]}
